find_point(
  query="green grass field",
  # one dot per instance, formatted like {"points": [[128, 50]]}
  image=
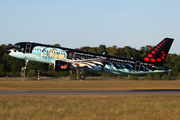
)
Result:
{"points": [[90, 107], [18, 84], [135, 107]]}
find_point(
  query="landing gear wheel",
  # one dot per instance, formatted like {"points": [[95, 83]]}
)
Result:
{"points": [[81, 76], [169, 73]]}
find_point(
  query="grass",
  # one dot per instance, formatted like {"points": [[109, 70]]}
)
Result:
{"points": [[18, 84], [90, 107], [151, 107]]}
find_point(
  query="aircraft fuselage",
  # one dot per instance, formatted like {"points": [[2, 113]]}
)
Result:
{"points": [[54, 55]]}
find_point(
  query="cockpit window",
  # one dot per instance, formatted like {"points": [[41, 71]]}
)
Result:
{"points": [[17, 46]]}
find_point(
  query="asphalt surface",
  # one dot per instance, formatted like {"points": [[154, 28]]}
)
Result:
{"points": [[91, 92]]}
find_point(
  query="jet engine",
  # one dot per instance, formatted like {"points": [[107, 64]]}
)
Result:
{"points": [[62, 66]]}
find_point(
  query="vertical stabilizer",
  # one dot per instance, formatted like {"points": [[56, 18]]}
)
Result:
{"points": [[158, 54]]}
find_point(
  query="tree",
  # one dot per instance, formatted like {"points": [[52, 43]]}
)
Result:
{"points": [[102, 49], [112, 50], [57, 45], [32, 73], [86, 48], [93, 49], [128, 51], [37, 66]]}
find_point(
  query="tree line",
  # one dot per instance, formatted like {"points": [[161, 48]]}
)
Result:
{"points": [[10, 66]]}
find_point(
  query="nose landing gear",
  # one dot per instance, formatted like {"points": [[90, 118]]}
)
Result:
{"points": [[169, 73], [23, 69]]}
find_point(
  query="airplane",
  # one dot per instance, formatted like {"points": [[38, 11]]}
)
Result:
{"points": [[68, 59]]}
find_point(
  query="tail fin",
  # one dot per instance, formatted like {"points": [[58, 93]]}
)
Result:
{"points": [[158, 54]]}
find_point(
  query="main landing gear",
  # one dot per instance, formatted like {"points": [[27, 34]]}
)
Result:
{"points": [[81, 75]]}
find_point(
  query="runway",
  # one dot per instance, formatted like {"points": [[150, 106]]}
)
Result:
{"points": [[91, 92]]}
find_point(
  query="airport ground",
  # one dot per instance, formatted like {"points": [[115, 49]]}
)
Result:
{"points": [[70, 107], [66, 84]]}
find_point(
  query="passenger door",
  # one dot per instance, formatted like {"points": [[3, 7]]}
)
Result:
{"points": [[28, 48]]}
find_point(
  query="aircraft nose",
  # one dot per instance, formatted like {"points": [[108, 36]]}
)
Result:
{"points": [[8, 50]]}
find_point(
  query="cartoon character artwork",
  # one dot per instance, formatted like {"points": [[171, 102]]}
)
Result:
{"points": [[49, 53]]}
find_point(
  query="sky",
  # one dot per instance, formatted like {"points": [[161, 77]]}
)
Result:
{"points": [[79, 23]]}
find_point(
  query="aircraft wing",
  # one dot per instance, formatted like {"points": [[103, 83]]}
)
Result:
{"points": [[85, 62]]}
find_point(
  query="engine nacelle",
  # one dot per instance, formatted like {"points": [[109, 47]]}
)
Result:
{"points": [[62, 66]]}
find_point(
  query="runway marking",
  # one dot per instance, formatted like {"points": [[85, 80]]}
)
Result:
{"points": [[91, 92]]}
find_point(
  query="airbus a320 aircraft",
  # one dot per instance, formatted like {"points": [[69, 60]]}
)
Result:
{"points": [[67, 59]]}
